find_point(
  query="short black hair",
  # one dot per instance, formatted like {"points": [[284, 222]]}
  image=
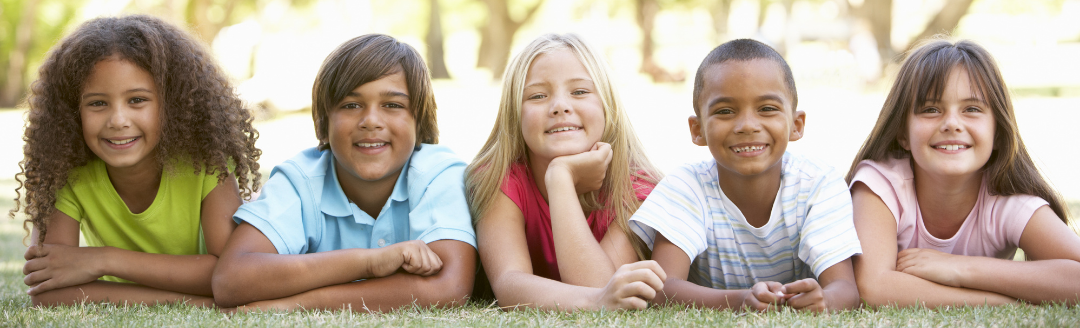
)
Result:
{"points": [[743, 50]]}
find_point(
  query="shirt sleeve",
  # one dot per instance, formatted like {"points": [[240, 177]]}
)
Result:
{"points": [[873, 176], [66, 203], [828, 232], [278, 215], [442, 212], [1012, 215], [676, 208]]}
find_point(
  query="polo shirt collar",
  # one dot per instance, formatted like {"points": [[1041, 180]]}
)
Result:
{"points": [[335, 203]]}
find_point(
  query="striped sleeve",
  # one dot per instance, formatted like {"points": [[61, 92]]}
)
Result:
{"points": [[675, 209], [828, 232]]}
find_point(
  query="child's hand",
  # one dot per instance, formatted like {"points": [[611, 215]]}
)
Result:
{"points": [[587, 169], [413, 256], [806, 295], [53, 266], [765, 296], [632, 286], [931, 265]]}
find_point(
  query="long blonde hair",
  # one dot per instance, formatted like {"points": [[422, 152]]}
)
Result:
{"points": [[506, 144], [922, 76]]}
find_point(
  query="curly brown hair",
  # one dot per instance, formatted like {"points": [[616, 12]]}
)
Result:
{"points": [[202, 119]]}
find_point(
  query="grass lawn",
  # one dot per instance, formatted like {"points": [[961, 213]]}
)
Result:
{"points": [[16, 312]]}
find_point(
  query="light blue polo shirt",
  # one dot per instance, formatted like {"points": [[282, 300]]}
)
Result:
{"points": [[302, 208]]}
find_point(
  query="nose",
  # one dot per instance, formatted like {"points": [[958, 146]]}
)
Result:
{"points": [[747, 122], [118, 118], [371, 119], [951, 122], [560, 105]]}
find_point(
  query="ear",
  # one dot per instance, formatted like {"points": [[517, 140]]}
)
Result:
{"points": [[901, 138], [695, 131], [797, 125]]}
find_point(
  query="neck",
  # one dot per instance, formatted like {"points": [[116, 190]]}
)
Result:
{"points": [[369, 196], [946, 201], [754, 195], [539, 167], [137, 185]]}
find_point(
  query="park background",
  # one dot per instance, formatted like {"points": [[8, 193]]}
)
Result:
{"points": [[844, 55]]}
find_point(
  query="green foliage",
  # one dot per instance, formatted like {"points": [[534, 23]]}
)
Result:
{"points": [[53, 18]]}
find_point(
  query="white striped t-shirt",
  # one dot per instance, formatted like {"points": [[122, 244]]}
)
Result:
{"points": [[810, 225]]}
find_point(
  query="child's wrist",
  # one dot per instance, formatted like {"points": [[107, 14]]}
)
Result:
{"points": [[104, 260]]}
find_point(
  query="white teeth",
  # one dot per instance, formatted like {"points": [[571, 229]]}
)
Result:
{"points": [[748, 148], [370, 144], [565, 128], [951, 147], [121, 142]]}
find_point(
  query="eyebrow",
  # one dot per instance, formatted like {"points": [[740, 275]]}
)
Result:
{"points": [[761, 98], [384, 94], [573, 80], [88, 95], [971, 99]]}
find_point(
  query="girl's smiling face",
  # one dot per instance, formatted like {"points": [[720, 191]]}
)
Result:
{"points": [[120, 112], [561, 111], [372, 131], [954, 135]]}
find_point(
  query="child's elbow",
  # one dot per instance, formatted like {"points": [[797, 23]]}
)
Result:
{"points": [[226, 293], [453, 295], [871, 293]]}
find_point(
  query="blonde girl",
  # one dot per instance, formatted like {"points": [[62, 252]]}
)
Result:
{"points": [[944, 192], [554, 185]]}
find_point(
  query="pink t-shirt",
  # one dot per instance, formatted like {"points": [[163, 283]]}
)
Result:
{"points": [[992, 229], [521, 189]]}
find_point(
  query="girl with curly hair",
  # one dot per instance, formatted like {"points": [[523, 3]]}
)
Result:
{"points": [[135, 138]]}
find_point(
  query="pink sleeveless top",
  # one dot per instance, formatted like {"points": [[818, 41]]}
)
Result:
{"points": [[521, 189]]}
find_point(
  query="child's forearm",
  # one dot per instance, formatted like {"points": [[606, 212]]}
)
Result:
{"points": [[117, 293], [1032, 281], [902, 289], [186, 274], [250, 277], [841, 295], [581, 260], [684, 292]]}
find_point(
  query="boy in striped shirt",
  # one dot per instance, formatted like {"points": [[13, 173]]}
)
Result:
{"points": [[753, 226]]}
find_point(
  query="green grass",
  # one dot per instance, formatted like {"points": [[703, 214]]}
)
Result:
{"points": [[15, 310]]}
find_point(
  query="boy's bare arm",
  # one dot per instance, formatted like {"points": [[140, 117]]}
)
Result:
{"points": [[251, 269], [450, 286], [677, 290]]}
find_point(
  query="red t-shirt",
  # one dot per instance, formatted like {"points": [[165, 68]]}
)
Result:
{"points": [[521, 189]]}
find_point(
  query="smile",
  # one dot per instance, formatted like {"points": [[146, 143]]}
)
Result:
{"points": [[563, 129], [371, 144], [122, 141], [952, 147], [747, 148]]}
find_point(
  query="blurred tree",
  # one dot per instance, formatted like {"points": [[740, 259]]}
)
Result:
{"points": [[434, 39], [719, 10], [497, 35], [878, 13], [945, 21], [28, 28], [646, 11]]}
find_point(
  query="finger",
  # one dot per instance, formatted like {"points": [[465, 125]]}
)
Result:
{"points": [[643, 275], [431, 262], [762, 293], [42, 287], [633, 303], [802, 286], [807, 301], [35, 278], [637, 289], [31, 253], [775, 286], [33, 265]]}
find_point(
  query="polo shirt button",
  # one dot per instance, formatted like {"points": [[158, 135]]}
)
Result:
{"points": [[382, 242]]}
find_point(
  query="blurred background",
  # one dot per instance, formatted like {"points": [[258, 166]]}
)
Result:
{"points": [[843, 53]]}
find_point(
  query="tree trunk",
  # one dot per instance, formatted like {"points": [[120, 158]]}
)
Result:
{"points": [[14, 87], [497, 36], [646, 19], [879, 14], [434, 40], [720, 10], [945, 21]]}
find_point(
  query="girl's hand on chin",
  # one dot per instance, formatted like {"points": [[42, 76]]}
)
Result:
{"points": [[587, 169]]}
